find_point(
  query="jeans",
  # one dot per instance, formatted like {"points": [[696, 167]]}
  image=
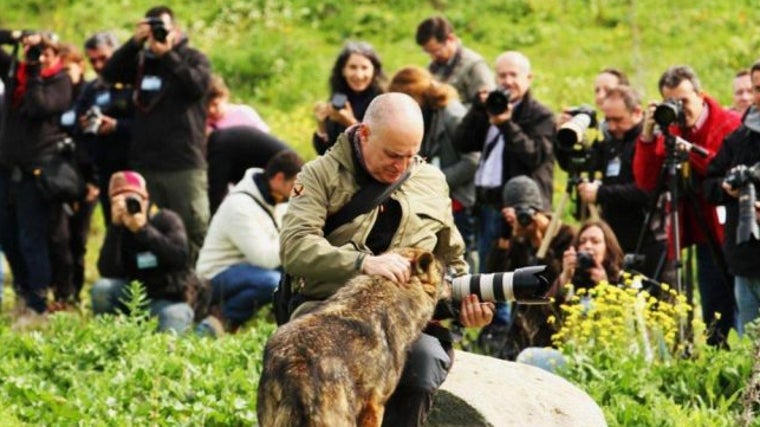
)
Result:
{"points": [[172, 315], [24, 235], [489, 230], [547, 358], [747, 292], [241, 289], [716, 296]]}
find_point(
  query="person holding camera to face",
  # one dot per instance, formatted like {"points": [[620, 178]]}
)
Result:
{"points": [[37, 91], [356, 79], [594, 256], [171, 82], [146, 244], [695, 120], [732, 179], [523, 211]]}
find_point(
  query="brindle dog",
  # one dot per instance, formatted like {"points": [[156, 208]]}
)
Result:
{"points": [[338, 365]]}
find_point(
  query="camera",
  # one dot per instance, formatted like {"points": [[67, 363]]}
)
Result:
{"points": [[743, 178], [157, 29], [571, 136], [134, 205], [524, 215], [668, 112], [94, 118], [338, 100], [497, 101], [584, 261], [527, 285]]}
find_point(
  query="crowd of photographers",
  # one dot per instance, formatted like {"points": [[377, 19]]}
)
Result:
{"points": [[648, 180]]}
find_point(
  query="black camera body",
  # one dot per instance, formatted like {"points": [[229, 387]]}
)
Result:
{"points": [[134, 205], [157, 29], [338, 100], [584, 261], [668, 112], [524, 215], [744, 179], [497, 101]]}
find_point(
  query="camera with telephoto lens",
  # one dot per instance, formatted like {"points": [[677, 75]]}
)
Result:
{"points": [[157, 29], [744, 179], [527, 285], [497, 101], [571, 136], [524, 215], [668, 112], [584, 261], [94, 118], [134, 205]]}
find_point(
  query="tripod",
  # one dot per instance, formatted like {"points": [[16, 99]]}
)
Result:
{"points": [[671, 183]]}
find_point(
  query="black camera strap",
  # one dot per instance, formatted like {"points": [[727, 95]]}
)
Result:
{"points": [[367, 198]]}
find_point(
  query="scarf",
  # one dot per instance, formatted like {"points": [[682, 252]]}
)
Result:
{"points": [[22, 79]]}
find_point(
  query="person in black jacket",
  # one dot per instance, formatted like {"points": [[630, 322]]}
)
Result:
{"points": [[37, 92], [740, 150], [623, 204], [171, 82], [515, 141], [147, 244]]}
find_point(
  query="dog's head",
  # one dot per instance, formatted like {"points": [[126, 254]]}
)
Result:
{"points": [[426, 268]]}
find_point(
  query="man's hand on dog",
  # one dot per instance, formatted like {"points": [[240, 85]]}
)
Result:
{"points": [[389, 265], [474, 314]]}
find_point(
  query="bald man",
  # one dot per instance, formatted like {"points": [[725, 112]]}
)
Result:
{"points": [[417, 213]]}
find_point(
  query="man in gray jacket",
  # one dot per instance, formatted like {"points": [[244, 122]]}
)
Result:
{"points": [[418, 213], [453, 63]]}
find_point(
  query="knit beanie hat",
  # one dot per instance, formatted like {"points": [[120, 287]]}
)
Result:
{"points": [[127, 182], [522, 191]]}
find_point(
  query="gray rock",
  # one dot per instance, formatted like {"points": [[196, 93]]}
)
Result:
{"points": [[485, 391]]}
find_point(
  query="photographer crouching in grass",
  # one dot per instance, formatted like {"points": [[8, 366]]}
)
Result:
{"points": [[147, 244]]}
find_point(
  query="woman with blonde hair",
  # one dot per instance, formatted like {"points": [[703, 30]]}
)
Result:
{"points": [[442, 112]]}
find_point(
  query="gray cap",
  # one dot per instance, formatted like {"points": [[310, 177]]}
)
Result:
{"points": [[522, 191]]}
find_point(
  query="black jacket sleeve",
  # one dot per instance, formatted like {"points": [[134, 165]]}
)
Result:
{"points": [[712, 185], [192, 69], [122, 67], [471, 133], [166, 237]]}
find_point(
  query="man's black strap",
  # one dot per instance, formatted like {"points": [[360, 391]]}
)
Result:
{"points": [[363, 201]]}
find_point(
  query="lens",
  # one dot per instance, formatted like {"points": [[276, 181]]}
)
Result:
{"points": [[573, 131], [525, 285], [497, 102], [668, 112]]}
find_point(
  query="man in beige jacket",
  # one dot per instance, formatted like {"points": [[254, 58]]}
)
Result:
{"points": [[418, 213]]}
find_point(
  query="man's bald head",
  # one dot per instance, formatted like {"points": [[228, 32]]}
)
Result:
{"points": [[390, 135]]}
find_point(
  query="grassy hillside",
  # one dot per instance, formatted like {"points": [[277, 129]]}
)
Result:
{"points": [[276, 54]]}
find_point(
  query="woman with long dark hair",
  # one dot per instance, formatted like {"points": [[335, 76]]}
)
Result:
{"points": [[357, 78]]}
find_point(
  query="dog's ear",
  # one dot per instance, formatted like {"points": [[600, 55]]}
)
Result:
{"points": [[424, 262]]}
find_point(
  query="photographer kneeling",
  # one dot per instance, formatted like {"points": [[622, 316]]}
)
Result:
{"points": [[147, 244]]}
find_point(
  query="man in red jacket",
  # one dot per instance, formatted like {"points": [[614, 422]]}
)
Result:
{"points": [[704, 123]]}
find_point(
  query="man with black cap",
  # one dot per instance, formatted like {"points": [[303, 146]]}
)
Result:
{"points": [[526, 326]]}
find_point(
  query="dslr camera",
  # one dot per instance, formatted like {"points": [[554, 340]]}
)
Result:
{"points": [[157, 28], [524, 215], [584, 261], [571, 136], [744, 179], [94, 118], [527, 285], [497, 101], [668, 112], [134, 205]]}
